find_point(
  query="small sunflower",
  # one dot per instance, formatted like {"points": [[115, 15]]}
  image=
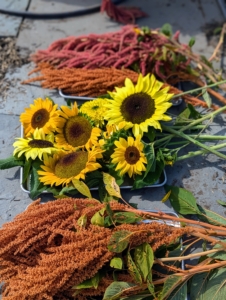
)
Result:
{"points": [[63, 167], [42, 114], [35, 146], [95, 110], [75, 131], [139, 106], [128, 156]]}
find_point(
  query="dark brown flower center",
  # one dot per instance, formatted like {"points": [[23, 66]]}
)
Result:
{"points": [[137, 108], [40, 118], [77, 131], [132, 155], [71, 164], [40, 144]]}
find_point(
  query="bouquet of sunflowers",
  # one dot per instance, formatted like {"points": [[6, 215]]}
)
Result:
{"points": [[118, 139]]}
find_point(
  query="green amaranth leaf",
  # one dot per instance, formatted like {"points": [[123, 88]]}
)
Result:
{"points": [[218, 255], [111, 186], [210, 285], [182, 200], [144, 259], [198, 286], [116, 289], [119, 241], [211, 217], [10, 162], [98, 218], [89, 283], [191, 42], [82, 221], [116, 262], [180, 293], [126, 217], [133, 270], [170, 284]]}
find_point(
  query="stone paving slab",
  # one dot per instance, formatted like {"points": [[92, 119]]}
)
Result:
{"points": [[10, 25]]}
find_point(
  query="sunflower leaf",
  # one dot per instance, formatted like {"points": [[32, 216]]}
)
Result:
{"points": [[26, 170], [82, 188], [36, 187], [10, 162]]}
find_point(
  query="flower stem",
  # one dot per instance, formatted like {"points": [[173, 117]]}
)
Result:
{"points": [[198, 89], [197, 143], [200, 152], [179, 258]]}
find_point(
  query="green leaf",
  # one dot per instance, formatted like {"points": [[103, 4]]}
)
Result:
{"points": [[223, 203], [180, 293], [89, 283], [191, 42], [82, 221], [126, 217], [206, 97], [209, 285], [98, 218], [182, 200], [133, 270], [169, 285], [150, 155], [10, 162], [119, 241], [111, 186], [211, 217], [144, 296], [198, 286], [144, 259], [82, 188], [26, 170], [218, 255], [167, 29], [116, 262], [116, 289], [36, 187]]}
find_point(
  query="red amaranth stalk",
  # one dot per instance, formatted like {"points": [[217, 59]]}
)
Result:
{"points": [[124, 15]]}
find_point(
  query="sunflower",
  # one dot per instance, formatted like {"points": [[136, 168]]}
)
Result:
{"points": [[96, 110], [42, 114], [128, 156], [63, 167], [75, 131], [139, 106], [35, 146]]}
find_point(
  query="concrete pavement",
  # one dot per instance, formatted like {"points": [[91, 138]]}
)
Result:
{"points": [[204, 176]]}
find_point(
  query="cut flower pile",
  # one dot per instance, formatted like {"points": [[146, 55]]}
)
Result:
{"points": [[125, 136]]}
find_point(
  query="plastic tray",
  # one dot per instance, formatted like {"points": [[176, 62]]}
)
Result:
{"points": [[176, 102], [25, 185]]}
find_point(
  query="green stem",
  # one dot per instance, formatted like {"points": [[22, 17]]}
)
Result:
{"points": [[200, 152], [198, 89], [195, 122], [197, 143]]}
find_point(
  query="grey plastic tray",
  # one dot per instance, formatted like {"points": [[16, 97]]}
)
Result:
{"points": [[25, 185]]}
